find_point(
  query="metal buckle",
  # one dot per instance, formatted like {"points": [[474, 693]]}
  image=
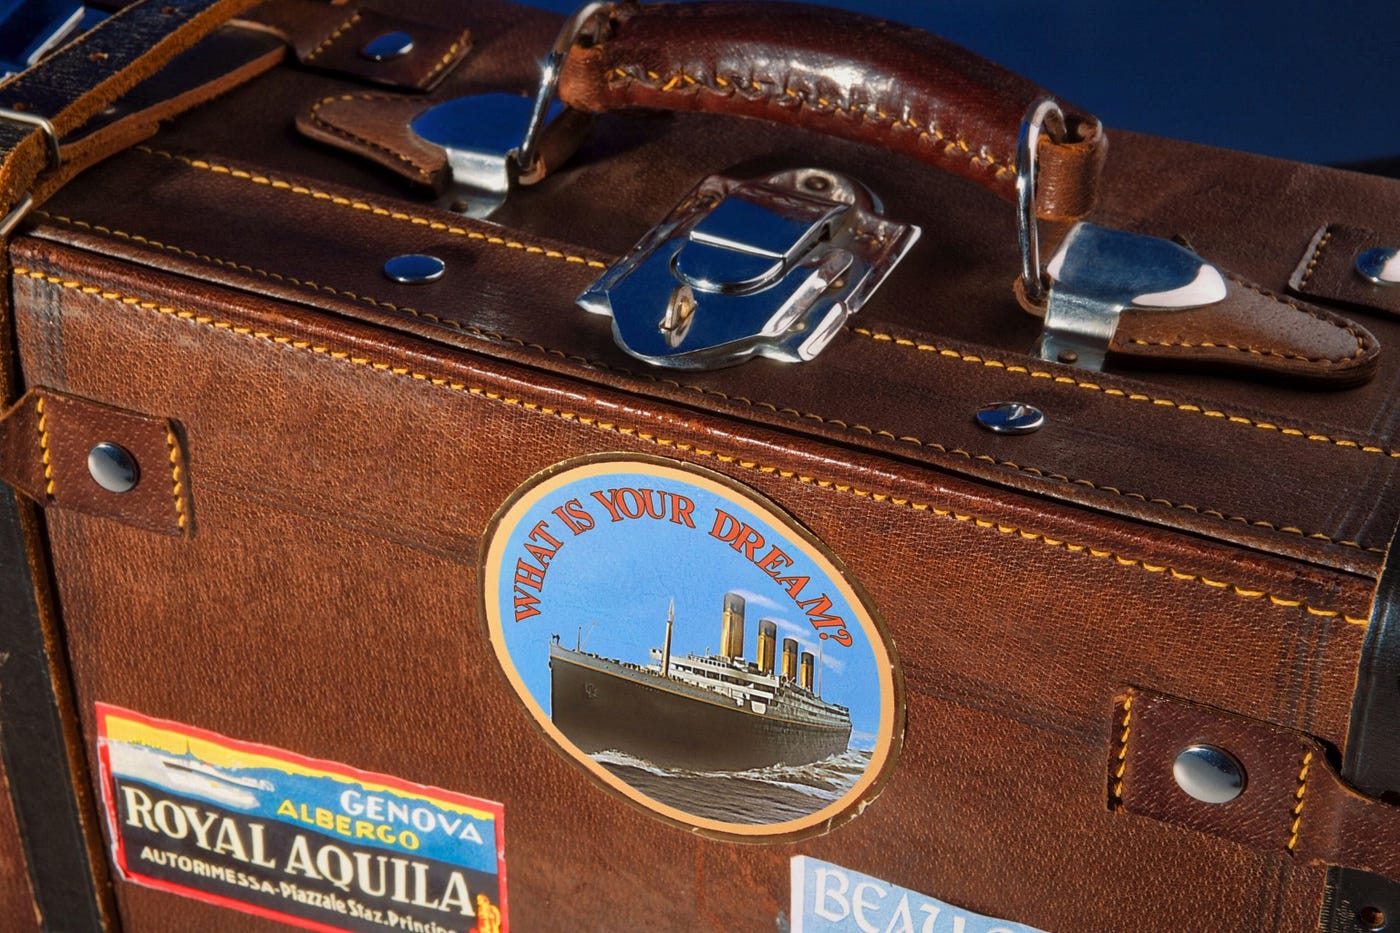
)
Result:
{"points": [[32, 28], [771, 267], [493, 140], [1097, 273], [26, 202]]}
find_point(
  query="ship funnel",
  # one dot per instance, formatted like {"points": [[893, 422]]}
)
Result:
{"points": [[790, 658], [731, 638], [767, 645], [809, 663]]}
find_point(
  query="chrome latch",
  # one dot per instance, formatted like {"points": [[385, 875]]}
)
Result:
{"points": [[1098, 272], [495, 142], [771, 267]]}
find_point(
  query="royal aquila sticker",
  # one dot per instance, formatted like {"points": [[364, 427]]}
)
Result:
{"points": [[312, 843], [691, 646]]}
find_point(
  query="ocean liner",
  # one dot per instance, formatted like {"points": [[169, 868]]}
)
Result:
{"points": [[700, 712]]}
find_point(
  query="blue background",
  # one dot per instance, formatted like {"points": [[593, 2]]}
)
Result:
{"points": [[1309, 81]]}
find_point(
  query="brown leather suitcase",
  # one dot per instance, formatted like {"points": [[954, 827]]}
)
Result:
{"points": [[823, 587]]}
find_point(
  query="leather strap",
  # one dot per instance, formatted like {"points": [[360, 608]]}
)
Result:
{"points": [[1293, 800], [77, 82], [83, 77], [43, 752], [838, 73]]}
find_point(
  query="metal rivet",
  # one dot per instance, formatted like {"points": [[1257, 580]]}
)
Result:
{"points": [[1010, 418], [387, 47], [1380, 265], [113, 467], [1210, 774], [415, 269], [1068, 357], [1372, 919]]}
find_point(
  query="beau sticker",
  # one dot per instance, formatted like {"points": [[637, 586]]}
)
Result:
{"points": [[312, 843], [691, 646]]}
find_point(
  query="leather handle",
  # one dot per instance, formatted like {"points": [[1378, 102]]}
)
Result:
{"points": [[842, 74]]}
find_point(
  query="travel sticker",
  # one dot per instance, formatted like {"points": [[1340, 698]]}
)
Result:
{"points": [[312, 843], [690, 645], [827, 898]]}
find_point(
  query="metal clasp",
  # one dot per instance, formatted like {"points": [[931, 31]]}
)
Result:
{"points": [[771, 267], [26, 202], [493, 141], [32, 28], [1097, 272]]}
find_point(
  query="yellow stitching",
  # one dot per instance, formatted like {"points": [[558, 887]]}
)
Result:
{"points": [[177, 485], [867, 113], [598, 364], [330, 40], [1121, 760], [339, 131], [44, 447], [1312, 263], [1276, 354], [611, 427], [1061, 379], [1299, 797], [374, 209], [447, 58]]}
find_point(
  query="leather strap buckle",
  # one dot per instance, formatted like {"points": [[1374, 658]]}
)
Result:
{"points": [[26, 201]]}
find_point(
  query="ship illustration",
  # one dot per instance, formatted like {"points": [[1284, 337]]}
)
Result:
{"points": [[705, 712]]}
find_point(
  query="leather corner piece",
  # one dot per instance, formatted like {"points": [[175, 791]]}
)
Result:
{"points": [[1254, 330], [47, 439], [1329, 269], [1292, 802]]}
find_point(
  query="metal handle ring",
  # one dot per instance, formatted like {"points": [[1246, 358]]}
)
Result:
{"points": [[26, 201], [1043, 112], [526, 156]]}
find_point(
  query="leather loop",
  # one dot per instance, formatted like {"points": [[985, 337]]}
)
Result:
{"points": [[329, 37], [838, 73], [1254, 331], [1328, 269], [1293, 801], [45, 440]]}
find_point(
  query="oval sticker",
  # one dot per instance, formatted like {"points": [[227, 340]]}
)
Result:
{"points": [[691, 646]]}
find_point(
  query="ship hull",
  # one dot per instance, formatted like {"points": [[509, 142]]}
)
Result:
{"points": [[600, 705]]}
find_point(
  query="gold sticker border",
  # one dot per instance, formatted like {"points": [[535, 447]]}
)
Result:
{"points": [[889, 735]]}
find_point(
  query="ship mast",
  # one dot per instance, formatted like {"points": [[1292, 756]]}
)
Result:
{"points": [[820, 657], [666, 653]]}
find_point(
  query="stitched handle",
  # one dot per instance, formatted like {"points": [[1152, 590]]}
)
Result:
{"points": [[838, 73]]}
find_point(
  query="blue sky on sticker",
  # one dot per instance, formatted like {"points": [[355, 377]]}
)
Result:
{"points": [[441, 833], [615, 581]]}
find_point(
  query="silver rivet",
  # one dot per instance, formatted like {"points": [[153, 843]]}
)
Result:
{"points": [[1210, 774], [387, 47], [415, 269], [1010, 418], [113, 467], [1380, 265]]}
